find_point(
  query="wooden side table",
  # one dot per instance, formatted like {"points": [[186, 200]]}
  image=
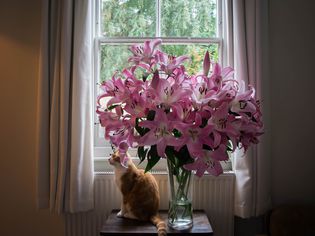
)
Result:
{"points": [[115, 226]]}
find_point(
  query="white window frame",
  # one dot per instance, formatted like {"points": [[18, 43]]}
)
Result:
{"points": [[102, 148]]}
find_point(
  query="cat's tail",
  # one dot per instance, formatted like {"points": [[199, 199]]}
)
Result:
{"points": [[160, 225]]}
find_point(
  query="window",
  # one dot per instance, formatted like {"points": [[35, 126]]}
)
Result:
{"points": [[185, 27]]}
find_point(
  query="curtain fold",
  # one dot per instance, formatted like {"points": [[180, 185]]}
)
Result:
{"points": [[250, 49], [65, 114]]}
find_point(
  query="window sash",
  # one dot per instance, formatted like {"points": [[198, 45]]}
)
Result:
{"points": [[158, 22], [102, 148]]}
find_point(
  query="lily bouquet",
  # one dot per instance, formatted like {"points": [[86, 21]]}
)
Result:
{"points": [[194, 121]]}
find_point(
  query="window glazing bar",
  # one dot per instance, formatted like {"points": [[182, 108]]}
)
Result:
{"points": [[181, 40]]}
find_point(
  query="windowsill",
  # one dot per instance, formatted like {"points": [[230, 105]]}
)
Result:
{"points": [[102, 166], [164, 172]]}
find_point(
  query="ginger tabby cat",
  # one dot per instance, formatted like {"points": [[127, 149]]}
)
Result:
{"points": [[140, 193]]}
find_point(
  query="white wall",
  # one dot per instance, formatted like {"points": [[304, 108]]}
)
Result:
{"points": [[19, 50], [292, 52]]}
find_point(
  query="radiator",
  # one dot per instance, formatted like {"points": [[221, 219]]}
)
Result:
{"points": [[213, 194]]}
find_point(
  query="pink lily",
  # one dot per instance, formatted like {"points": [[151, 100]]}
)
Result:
{"points": [[168, 92], [242, 102], [208, 161], [144, 53], [202, 93], [119, 132], [223, 96], [250, 130], [107, 117], [246, 139], [136, 106], [223, 122], [184, 112], [194, 136], [169, 63], [132, 83], [160, 133], [219, 75], [116, 89]]}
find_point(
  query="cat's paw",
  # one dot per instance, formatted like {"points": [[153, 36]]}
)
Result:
{"points": [[120, 214], [129, 215]]}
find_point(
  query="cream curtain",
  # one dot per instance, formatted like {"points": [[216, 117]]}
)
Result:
{"points": [[65, 113], [248, 29]]}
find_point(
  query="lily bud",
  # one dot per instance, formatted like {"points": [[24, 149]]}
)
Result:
{"points": [[206, 64]]}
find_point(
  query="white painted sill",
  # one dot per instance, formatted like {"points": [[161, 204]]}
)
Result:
{"points": [[101, 165]]}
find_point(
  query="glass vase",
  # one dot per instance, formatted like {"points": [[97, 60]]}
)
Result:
{"points": [[180, 212]]}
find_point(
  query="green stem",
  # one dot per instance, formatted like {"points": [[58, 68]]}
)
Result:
{"points": [[170, 169], [183, 178]]}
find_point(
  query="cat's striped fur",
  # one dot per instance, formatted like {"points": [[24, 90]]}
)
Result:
{"points": [[140, 193]]}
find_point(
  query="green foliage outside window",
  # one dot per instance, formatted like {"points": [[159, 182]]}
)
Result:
{"points": [[195, 18], [137, 18], [128, 18]]}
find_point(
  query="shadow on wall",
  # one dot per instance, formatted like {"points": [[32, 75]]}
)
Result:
{"points": [[250, 227], [15, 30]]}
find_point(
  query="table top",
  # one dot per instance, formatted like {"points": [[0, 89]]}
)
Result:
{"points": [[121, 226]]}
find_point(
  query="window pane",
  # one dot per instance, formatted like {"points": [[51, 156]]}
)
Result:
{"points": [[128, 18], [196, 53], [113, 58], [189, 18]]}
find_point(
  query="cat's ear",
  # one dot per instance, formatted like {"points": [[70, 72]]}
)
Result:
{"points": [[116, 152]]}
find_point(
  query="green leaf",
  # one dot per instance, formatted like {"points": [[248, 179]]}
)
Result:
{"points": [[153, 158], [184, 157], [144, 77], [170, 153], [176, 133], [204, 123], [112, 106], [229, 146], [139, 129], [151, 115], [142, 153], [206, 147]]}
